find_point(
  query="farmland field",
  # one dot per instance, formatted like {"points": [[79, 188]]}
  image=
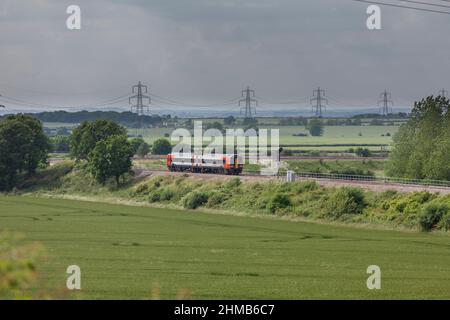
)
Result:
{"points": [[342, 135], [141, 252], [332, 134]]}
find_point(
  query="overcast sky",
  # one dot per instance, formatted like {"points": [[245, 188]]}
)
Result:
{"points": [[207, 51]]}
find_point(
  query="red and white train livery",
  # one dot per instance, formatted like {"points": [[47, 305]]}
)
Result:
{"points": [[231, 164]]}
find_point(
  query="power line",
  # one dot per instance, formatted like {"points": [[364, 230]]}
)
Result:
{"points": [[248, 95], [426, 3], [26, 103], [402, 6], [187, 104], [320, 102], [51, 93], [121, 98], [281, 102]]}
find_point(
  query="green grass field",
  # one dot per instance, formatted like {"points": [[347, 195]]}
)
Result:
{"points": [[345, 136], [332, 134], [136, 252]]}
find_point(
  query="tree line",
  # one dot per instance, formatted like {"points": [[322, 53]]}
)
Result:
{"points": [[128, 119]]}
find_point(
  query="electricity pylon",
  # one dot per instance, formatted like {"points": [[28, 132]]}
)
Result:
{"points": [[248, 95], [443, 93], [139, 96], [318, 102], [385, 102]]}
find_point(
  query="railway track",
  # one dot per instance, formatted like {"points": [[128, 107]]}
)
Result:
{"points": [[299, 158], [377, 186]]}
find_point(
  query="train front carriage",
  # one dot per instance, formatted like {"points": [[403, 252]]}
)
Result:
{"points": [[216, 163]]}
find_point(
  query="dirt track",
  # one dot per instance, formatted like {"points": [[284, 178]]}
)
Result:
{"points": [[366, 185]]}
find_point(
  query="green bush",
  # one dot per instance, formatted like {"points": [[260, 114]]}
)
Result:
{"points": [[155, 196], [161, 147], [444, 224], [232, 183], [431, 215], [278, 201], [345, 201], [167, 194], [195, 199], [18, 261], [216, 199]]}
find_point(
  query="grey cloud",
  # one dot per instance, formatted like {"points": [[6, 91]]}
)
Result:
{"points": [[207, 50]]}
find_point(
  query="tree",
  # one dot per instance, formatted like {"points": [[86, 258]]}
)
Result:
{"points": [[23, 146], [85, 137], [215, 125], [363, 152], [250, 122], [229, 121], [315, 127], [143, 150], [161, 147], [421, 148], [136, 143], [60, 143], [111, 158]]}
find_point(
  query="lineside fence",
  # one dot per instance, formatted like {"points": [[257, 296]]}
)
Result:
{"points": [[368, 178]]}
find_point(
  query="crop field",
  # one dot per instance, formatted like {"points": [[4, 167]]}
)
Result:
{"points": [[335, 138], [141, 252], [56, 125], [343, 135]]}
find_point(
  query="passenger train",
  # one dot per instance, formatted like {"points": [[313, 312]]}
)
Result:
{"points": [[230, 164]]}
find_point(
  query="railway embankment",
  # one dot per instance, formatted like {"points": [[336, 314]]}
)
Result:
{"points": [[248, 195]]}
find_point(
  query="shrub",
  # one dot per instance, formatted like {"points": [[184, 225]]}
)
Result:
{"points": [[305, 186], [161, 147], [232, 183], [363, 152], [431, 215], [167, 194], [216, 199], [155, 196], [445, 222], [345, 201], [278, 201], [141, 189], [195, 199], [383, 200], [18, 266]]}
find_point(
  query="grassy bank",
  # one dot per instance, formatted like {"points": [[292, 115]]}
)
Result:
{"points": [[302, 199]]}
